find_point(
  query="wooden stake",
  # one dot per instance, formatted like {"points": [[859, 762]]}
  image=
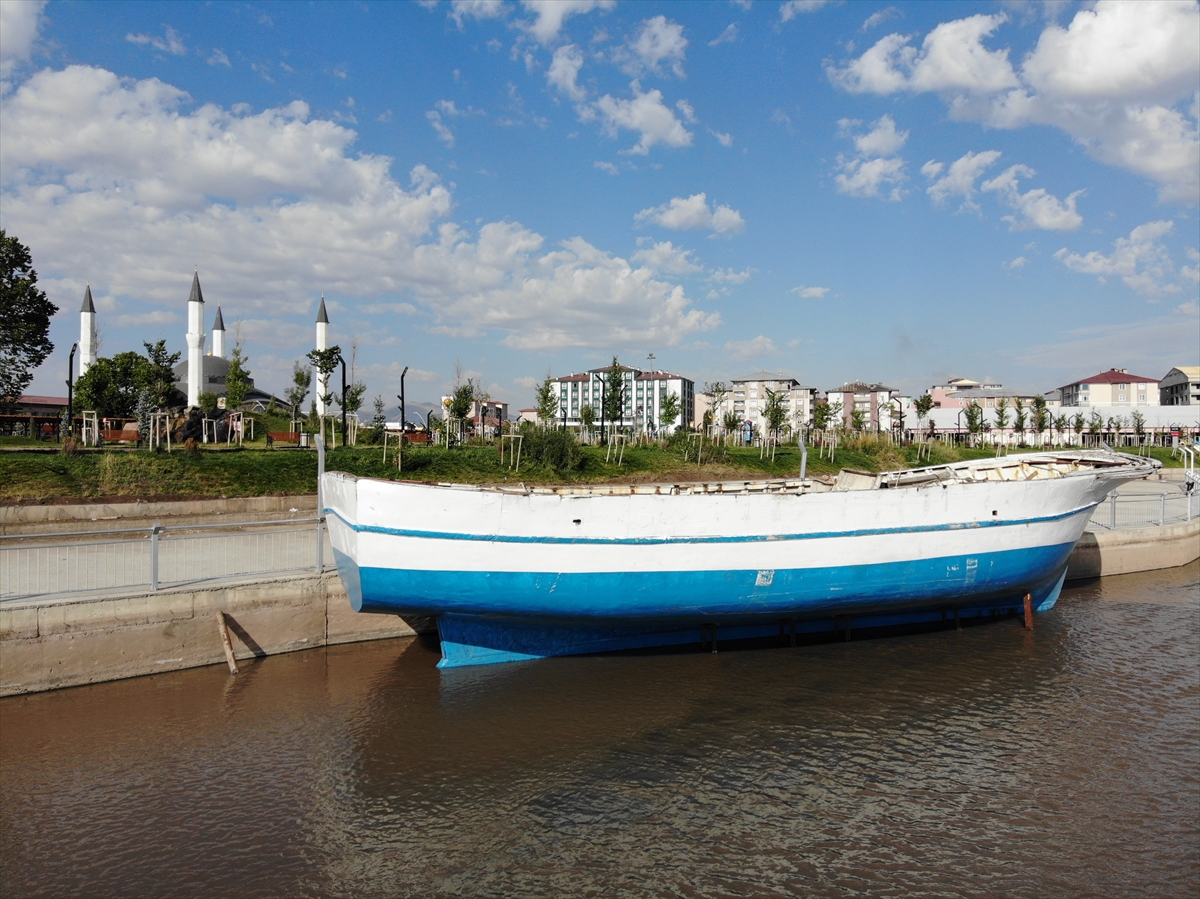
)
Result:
{"points": [[225, 642], [1028, 612]]}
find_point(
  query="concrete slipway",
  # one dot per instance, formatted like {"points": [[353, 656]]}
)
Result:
{"points": [[49, 642]]}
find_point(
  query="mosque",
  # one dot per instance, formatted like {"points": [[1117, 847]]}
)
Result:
{"points": [[200, 373]]}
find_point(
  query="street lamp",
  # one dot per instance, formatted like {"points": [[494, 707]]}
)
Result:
{"points": [[71, 392]]}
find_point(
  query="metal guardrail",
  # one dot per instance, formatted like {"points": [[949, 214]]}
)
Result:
{"points": [[44, 564], [1140, 511]]}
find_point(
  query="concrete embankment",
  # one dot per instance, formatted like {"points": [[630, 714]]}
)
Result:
{"points": [[1100, 553], [63, 643]]}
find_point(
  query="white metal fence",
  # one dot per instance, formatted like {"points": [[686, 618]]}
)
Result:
{"points": [[38, 565], [1139, 511]]}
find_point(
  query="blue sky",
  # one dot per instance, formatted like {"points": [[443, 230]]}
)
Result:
{"points": [[896, 192]]}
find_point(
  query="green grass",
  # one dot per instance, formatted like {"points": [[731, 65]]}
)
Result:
{"points": [[220, 472]]}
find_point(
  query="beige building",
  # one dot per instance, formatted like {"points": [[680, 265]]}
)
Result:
{"points": [[876, 403], [1115, 387], [1180, 386], [747, 398]]}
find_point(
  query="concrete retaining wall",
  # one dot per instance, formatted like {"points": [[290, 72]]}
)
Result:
{"points": [[65, 644], [51, 518], [1124, 551]]}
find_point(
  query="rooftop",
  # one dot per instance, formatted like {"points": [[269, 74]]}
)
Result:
{"points": [[1113, 376]]}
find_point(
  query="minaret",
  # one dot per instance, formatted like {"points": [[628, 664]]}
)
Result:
{"points": [[87, 332], [218, 332], [195, 342], [322, 344]]}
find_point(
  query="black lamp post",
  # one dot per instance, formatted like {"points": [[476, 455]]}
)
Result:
{"points": [[71, 391], [403, 420], [342, 359]]}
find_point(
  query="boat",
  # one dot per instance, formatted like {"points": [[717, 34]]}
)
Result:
{"points": [[512, 572]]}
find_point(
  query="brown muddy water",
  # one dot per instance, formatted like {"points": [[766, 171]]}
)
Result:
{"points": [[983, 763]]}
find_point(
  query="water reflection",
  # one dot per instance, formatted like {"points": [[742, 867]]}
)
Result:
{"points": [[1058, 763]]}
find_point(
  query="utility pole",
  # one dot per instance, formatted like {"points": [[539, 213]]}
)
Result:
{"points": [[71, 392], [403, 420]]}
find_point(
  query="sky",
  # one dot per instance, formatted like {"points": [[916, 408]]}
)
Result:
{"points": [[901, 192]]}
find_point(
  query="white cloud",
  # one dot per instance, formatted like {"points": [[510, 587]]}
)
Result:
{"points": [[657, 42], [1019, 262], [728, 36], [729, 276], [1139, 260], [646, 114], [20, 22], [792, 8], [725, 140], [170, 42], [116, 178], [444, 134], [1120, 79], [881, 16], [959, 181], [476, 9], [157, 317], [693, 213], [666, 257], [751, 349], [1035, 208], [606, 167], [1190, 272], [810, 293], [564, 72], [551, 14], [867, 173], [218, 58]]}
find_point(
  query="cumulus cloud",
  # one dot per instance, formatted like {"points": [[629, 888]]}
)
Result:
{"points": [[1120, 79], [170, 42], [872, 169], [694, 213], [20, 21], [606, 167], [810, 293], [549, 15], [1019, 262], [878, 18], [645, 113], [725, 140], [792, 8], [218, 58], [444, 134], [666, 257], [755, 348], [1139, 260], [657, 42], [564, 72], [729, 276], [959, 181], [476, 9], [129, 183], [728, 36], [1035, 208]]}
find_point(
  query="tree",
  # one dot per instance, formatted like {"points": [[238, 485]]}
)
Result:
{"points": [[1020, 417], [1077, 423], [25, 314], [160, 375], [111, 386], [1041, 418], [774, 411], [822, 415], [974, 415], [587, 417], [731, 423], [379, 420], [208, 404], [461, 400], [858, 419], [1139, 425], [325, 361], [923, 405], [1095, 424], [717, 391], [1060, 425], [546, 400], [301, 381], [237, 381], [1002, 414], [669, 410], [614, 393]]}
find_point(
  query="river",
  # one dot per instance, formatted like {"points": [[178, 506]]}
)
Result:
{"points": [[987, 762]]}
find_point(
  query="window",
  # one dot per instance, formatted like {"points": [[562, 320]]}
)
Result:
{"points": [[1120, 398], [1141, 397], [1122, 387]]}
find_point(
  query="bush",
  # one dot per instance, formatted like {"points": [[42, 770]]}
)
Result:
{"points": [[553, 448]]}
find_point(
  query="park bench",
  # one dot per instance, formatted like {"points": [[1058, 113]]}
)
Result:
{"points": [[274, 437], [128, 434]]}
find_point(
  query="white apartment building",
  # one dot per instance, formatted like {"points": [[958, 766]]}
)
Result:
{"points": [[643, 394], [877, 404], [747, 398], [1180, 386], [1115, 387]]}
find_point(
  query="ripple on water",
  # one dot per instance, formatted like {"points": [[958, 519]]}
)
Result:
{"points": [[986, 762]]}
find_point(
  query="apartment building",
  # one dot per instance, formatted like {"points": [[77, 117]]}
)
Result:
{"points": [[1115, 387], [1180, 386], [877, 404], [747, 398], [643, 395]]}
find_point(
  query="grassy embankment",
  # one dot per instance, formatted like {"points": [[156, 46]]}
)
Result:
{"points": [[255, 471]]}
